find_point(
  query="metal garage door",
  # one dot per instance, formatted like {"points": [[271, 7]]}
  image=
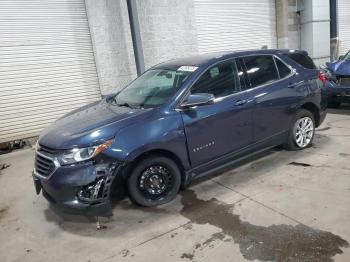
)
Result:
{"points": [[235, 24], [344, 25], [47, 65]]}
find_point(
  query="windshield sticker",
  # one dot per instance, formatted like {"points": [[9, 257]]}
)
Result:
{"points": [[187, 68]]}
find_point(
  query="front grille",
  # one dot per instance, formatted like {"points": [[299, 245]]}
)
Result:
{"points": [[344, 81], [47, 150], [44, 166]]}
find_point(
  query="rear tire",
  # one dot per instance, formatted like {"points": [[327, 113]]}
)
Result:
{"points": [[154, 181], [302, 131]]}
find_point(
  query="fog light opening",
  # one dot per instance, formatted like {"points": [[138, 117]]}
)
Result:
{"points": [[94, 191], [98, 190]]}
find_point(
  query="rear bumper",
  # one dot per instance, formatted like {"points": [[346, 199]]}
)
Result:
{"points": [[81, 189]]}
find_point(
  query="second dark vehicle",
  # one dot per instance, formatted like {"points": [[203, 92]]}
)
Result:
{"points": [[178, 121], [338, 86]]}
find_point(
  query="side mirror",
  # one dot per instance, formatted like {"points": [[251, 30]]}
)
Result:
{"points": [[341, 57], [199, 99]]}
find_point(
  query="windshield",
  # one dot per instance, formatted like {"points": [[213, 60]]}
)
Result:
{"points": [[347, 56], [153, 88]]}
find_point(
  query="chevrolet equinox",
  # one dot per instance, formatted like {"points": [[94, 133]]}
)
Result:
{"points": [[179, 120]]}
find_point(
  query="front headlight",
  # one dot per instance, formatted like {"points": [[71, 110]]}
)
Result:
{"points": [[81, 154]]}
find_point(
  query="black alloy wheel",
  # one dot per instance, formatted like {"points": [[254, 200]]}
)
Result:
{"points": [[154, 181]]}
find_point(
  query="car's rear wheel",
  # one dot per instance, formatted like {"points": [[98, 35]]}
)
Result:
{"points": [[154, 181], [301, 133]]}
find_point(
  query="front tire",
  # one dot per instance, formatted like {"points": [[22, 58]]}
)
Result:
{"points": [[154, 181], [302, 131]]}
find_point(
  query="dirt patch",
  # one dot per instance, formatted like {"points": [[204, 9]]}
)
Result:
{"points": [[187, 256], [3, 166], [272, 243], [299, 164], [344, 154], [216, 236], [323, 129], [173, 235], [3, 212], [125, 252]]}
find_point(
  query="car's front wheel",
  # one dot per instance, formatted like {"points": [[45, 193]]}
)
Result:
{"points": [[301, 133], [154, 181]]}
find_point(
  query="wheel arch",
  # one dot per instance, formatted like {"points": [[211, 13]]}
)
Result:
{"points": [[314, 110]]}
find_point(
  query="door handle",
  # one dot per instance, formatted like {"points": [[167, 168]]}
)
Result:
{"points": [[240, 102]]}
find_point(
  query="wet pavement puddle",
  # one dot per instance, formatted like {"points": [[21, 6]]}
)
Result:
{"points": [[271, 243]]}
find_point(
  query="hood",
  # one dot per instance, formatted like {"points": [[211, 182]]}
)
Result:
{"points": [[341, 67], [89, 125]]}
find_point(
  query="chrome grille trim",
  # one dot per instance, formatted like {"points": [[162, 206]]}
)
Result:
{"points": [[47, 150], [39, 163]]}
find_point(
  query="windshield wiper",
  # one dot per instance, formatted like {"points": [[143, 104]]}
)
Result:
{"points": [[127, 105], [123, 104]]}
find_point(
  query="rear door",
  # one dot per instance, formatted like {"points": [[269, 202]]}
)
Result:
{"points": [[272, 93], [223, 127]]}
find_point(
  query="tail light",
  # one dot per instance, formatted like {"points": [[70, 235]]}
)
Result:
{"points": [[323, 77]]}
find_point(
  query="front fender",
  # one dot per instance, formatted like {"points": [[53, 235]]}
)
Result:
{"points": [[162, 132]]}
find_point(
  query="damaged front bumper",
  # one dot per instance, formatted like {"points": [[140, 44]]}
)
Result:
{"points": [[82, 188]]}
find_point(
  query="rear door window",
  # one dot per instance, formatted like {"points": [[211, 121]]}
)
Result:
{"points": [[260, 70], [302, 60]]}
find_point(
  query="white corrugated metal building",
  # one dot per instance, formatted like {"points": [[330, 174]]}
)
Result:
{"points": [[344, 25], [226, 25], [47, 65], [57, 55]]}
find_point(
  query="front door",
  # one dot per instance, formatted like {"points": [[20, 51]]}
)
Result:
{"points": [[223, 127]]}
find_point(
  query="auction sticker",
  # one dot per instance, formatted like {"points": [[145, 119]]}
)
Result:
{"points": [[187, 68]]}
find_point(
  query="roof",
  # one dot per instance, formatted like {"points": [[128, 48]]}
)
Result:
{"points": [[208, 58]]}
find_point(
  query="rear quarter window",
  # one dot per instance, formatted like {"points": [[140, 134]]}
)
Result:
{"points": [[303, 60], [283, 70]]}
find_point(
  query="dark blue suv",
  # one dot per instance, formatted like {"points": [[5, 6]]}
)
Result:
{"points": [[178, 121]]}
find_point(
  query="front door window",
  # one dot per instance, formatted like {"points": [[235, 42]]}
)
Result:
{"points": [[220, 80]]}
